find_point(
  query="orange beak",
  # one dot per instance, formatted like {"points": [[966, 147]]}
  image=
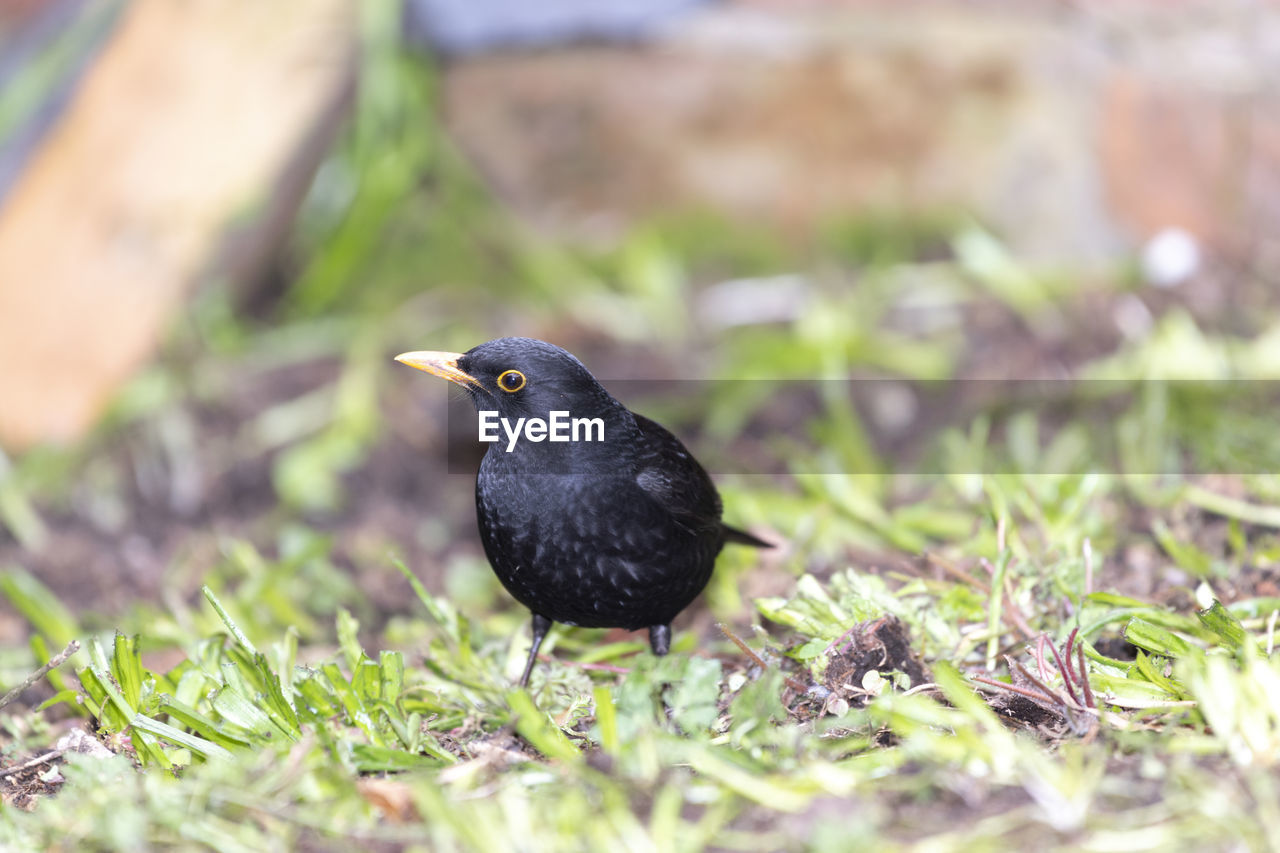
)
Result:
{"points": [[442, 364]]}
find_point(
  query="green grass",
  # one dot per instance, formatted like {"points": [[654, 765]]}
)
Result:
{"points": [[241, 746]]}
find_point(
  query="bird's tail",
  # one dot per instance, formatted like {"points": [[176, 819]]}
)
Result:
{"points": [[742, 537]]}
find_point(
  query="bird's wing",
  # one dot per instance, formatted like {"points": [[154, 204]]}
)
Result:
{"points": [[668, 473]]}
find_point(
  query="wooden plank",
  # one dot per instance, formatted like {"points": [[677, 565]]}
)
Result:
{"points": [[188, 120]]}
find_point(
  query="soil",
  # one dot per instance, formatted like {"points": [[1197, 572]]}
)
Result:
{"points": [[882, 646], [31, 779]]}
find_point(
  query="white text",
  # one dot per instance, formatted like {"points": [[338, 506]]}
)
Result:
{"points": [[558, 427]]}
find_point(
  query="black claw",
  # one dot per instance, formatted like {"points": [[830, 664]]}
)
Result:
{"points": [[660, 639]]}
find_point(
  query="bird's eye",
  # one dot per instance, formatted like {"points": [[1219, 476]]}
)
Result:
{"points": [[511, 381]]}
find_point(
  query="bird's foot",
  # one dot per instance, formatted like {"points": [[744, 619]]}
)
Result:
{"points": [[541, 625]]}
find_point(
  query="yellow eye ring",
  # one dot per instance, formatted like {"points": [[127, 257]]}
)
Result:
{"points": [[511, 381]]}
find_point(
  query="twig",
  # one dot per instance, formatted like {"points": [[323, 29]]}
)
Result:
{"points": [[737, 641], [1046, 690], [957, 572], [35, 762], [746, 650], [1067, 704], [836, 645], [1041, 666], [920, 688], [1084, 679], [1068, 708], [54, 662], [1012, 688], [1071, 640], [1015, 613], [1066, 676]]}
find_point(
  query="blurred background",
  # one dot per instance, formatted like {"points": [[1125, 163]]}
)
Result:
{"points": [[219, 219]]}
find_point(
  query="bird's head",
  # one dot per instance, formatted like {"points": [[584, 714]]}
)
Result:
{"points": [[521, 378]]}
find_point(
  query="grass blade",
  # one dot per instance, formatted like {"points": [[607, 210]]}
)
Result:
{"points": [[536, 727]]}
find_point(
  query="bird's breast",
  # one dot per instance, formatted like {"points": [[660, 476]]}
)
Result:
{"points": [[589, 549]]}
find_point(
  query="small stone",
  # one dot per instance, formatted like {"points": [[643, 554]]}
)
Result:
{"points": [[79, 741]]}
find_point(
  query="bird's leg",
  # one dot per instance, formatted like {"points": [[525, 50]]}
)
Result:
{"points": [[660, 639], [541, 625]]}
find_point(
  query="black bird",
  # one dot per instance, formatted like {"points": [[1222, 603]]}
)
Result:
{"points": [[620, 532]]}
